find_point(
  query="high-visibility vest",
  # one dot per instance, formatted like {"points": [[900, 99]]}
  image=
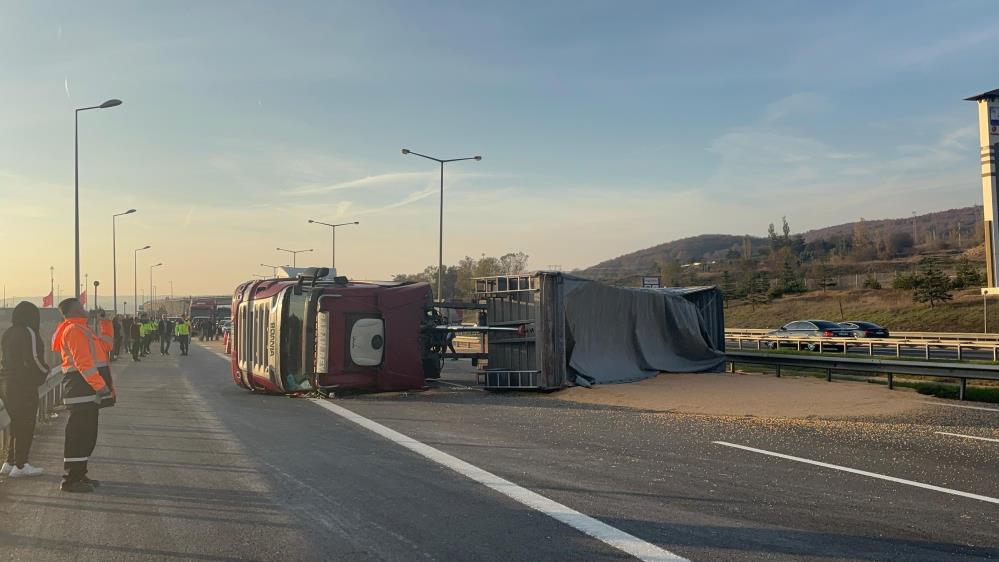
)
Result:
{"points": [[106, 335], [182, 329], [76, 342]]}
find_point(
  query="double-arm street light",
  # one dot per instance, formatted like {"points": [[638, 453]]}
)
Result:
{"points": [[294, 255], [151, 281], [440, 247], [114, 254], [76, 166], [333, 228], [274, 268], [135, 278]]}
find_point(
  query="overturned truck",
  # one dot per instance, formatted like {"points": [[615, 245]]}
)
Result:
{"points": [[321, 332], [584, 332]]}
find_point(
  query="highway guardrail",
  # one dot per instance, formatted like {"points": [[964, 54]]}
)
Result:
{"points": [[970, 337], [820, 344], [889, 367], [49, 396]]}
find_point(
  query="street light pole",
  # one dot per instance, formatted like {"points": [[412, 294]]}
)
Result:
{"points": [[273, 268], [333, 228], [294, 255], [440, 239], [135, 279], [151, 281], [76, 175], [114, 254]]}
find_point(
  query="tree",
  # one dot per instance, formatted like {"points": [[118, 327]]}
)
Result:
{"points": [[899, 243], [823, 280], [932, 286], [759, 290], [513, 263], [872, 282], [967, 275], [729, 289]]}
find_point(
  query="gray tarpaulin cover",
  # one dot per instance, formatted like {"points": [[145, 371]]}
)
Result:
{"points": [[620, 335]]}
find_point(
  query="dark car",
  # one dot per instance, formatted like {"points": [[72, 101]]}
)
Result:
{"points": [[863, 329], [810, 329]]}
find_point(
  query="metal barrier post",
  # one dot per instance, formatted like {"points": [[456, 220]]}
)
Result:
{"points": [[962, 389], [960, 356], [828, 375], [778, 371], [891, 381], [927, 352]]}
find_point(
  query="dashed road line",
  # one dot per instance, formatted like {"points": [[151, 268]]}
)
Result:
{"points": [[599, 530], [967, 436], [863, 473]]}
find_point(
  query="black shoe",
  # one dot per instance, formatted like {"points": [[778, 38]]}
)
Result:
{"points": [[77, 487], [91, 481]]}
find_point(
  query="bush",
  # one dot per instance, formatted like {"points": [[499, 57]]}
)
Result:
{"points": [[872, 283], [906, 282]]}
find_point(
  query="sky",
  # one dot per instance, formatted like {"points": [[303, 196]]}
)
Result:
{"points": [[604, 127]]}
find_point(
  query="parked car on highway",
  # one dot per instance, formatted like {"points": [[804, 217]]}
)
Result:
{"points": [[810, 329], [225, 326], [863, 329]]}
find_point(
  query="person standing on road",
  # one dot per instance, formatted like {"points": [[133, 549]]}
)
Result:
{"points": [[105, 333], [117, 327], [165, 330], [135, 334], [183, 333], [22, 370], [83, 390]]}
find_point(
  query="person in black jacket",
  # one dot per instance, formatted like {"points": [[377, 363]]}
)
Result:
{"points": [[22, 371]]}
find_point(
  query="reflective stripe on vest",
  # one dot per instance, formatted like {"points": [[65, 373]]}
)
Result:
{"points": [[75, 459], [80, 399]]}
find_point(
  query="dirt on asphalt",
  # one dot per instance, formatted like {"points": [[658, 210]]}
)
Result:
{"points": [[738, 394]]}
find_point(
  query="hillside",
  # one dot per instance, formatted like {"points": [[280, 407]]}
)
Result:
{"points": [[893, 309], [939, 223], [694, 248], [958, 227]]}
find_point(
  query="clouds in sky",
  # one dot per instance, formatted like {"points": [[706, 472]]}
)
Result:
{"points": [[604, 128]]}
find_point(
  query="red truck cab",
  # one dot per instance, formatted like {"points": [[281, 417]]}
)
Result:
{"points": [[299, 335]]}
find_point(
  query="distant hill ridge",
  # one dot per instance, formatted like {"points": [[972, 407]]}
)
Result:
{"points": [[707, 247]]}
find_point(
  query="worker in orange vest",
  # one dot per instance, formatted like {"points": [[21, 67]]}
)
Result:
{"points": [[105, 332], [83, 390]]}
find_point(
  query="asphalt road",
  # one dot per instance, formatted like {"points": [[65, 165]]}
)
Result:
{"points": [[196, 469]]}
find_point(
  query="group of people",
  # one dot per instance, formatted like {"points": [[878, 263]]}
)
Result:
{"points": [[87, 385], [86, 345], [144, 330]]}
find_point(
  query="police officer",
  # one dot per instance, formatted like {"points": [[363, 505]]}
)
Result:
{"points": [[83, 390], [118, 329], [183, 333]]}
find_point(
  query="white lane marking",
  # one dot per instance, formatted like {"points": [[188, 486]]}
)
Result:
{"points": [[864, 473], [962, 406], [597, 529], [966, 436]]}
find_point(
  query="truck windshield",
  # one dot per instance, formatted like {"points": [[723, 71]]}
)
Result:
{"points": [[294, 318]]}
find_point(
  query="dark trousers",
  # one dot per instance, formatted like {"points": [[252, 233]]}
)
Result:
{"points": [[165, 344], [117, 347], [22, 407], [185, 344], [147, 341], [81, 438], [135, 349]]}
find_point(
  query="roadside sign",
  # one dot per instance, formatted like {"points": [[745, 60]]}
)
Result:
{"points": [[651, 282]]}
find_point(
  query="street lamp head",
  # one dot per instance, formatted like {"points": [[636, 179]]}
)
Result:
{"points": [[357, 222], [478, 158], [405, 151], [145, 247], [110, 103], [129, 212], [311, 221]]}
